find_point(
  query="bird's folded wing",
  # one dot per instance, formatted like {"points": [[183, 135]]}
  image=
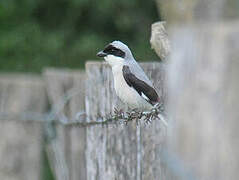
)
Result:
{"points": [[144, 90]]}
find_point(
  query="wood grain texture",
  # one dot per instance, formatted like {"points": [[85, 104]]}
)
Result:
{"points": [[203, 99], [119, 152], [159, 40], [111, 151], [153, 136], [66, 91], [21, 141], [187, 11]]}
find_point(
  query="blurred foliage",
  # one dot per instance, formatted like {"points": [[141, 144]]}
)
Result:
{"points": [[65, 33], [46, 173]]}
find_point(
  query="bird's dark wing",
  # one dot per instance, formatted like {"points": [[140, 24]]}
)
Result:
{"points": [[144, 90]]}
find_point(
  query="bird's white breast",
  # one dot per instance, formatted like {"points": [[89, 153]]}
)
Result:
{"points": [[126, 93]]}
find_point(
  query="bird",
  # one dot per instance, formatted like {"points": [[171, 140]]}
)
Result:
{"points": [[131, 84]]}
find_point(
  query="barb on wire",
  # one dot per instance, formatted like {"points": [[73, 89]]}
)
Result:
{"points": [[118, 116], [156, 113]]}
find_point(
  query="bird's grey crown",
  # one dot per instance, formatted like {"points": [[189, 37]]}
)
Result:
{"points": [[120, 45], [131, 62], [111, 50], [123, 47]]}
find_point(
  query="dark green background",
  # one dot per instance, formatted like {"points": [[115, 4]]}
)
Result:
{"points": [[65, 33]]}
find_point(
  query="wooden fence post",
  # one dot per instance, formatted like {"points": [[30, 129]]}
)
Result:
{"points": [[203, 99], [196, 10], [111, 152], [119, 152], [21, 141], [66, 91], [153, 136], [159, 39]]}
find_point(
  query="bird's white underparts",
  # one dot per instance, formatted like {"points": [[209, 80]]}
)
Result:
{"points": [[131, 84]]}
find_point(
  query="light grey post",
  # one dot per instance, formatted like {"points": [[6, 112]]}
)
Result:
{"points": [[20, 133]]}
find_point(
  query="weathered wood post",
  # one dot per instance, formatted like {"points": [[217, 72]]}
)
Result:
{"points": [[66, 91], [21, 141], [197, 10], [203, 99], [120, 152], [202, 96], [202, 88], [159, 40]]}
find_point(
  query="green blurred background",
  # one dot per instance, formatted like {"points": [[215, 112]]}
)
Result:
{"points": [[66, 33]]}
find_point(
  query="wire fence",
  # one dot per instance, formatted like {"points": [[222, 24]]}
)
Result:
{"points": [[56, 118], [196, 140]]}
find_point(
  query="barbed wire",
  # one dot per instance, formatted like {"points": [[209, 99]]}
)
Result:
{"points": [[156, 113], [118, 116], [52, 118]]}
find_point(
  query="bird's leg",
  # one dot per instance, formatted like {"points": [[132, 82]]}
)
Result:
{"points": [[121, 111], [118, 112]]}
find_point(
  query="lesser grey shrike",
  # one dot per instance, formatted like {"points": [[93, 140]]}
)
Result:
{"points": [[131, 84]]}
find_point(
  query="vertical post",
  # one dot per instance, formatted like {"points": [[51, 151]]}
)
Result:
{"points": [[78, 134], [203, 99], [191, 11], [66, 90], [21, 141], [111, 151], [153, 136], [120, 152]]}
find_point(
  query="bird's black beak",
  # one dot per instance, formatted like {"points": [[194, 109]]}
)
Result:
{"points": [[101, 54]]}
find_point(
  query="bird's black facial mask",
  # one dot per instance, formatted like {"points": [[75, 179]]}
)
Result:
{"points": [[109, 49]]}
